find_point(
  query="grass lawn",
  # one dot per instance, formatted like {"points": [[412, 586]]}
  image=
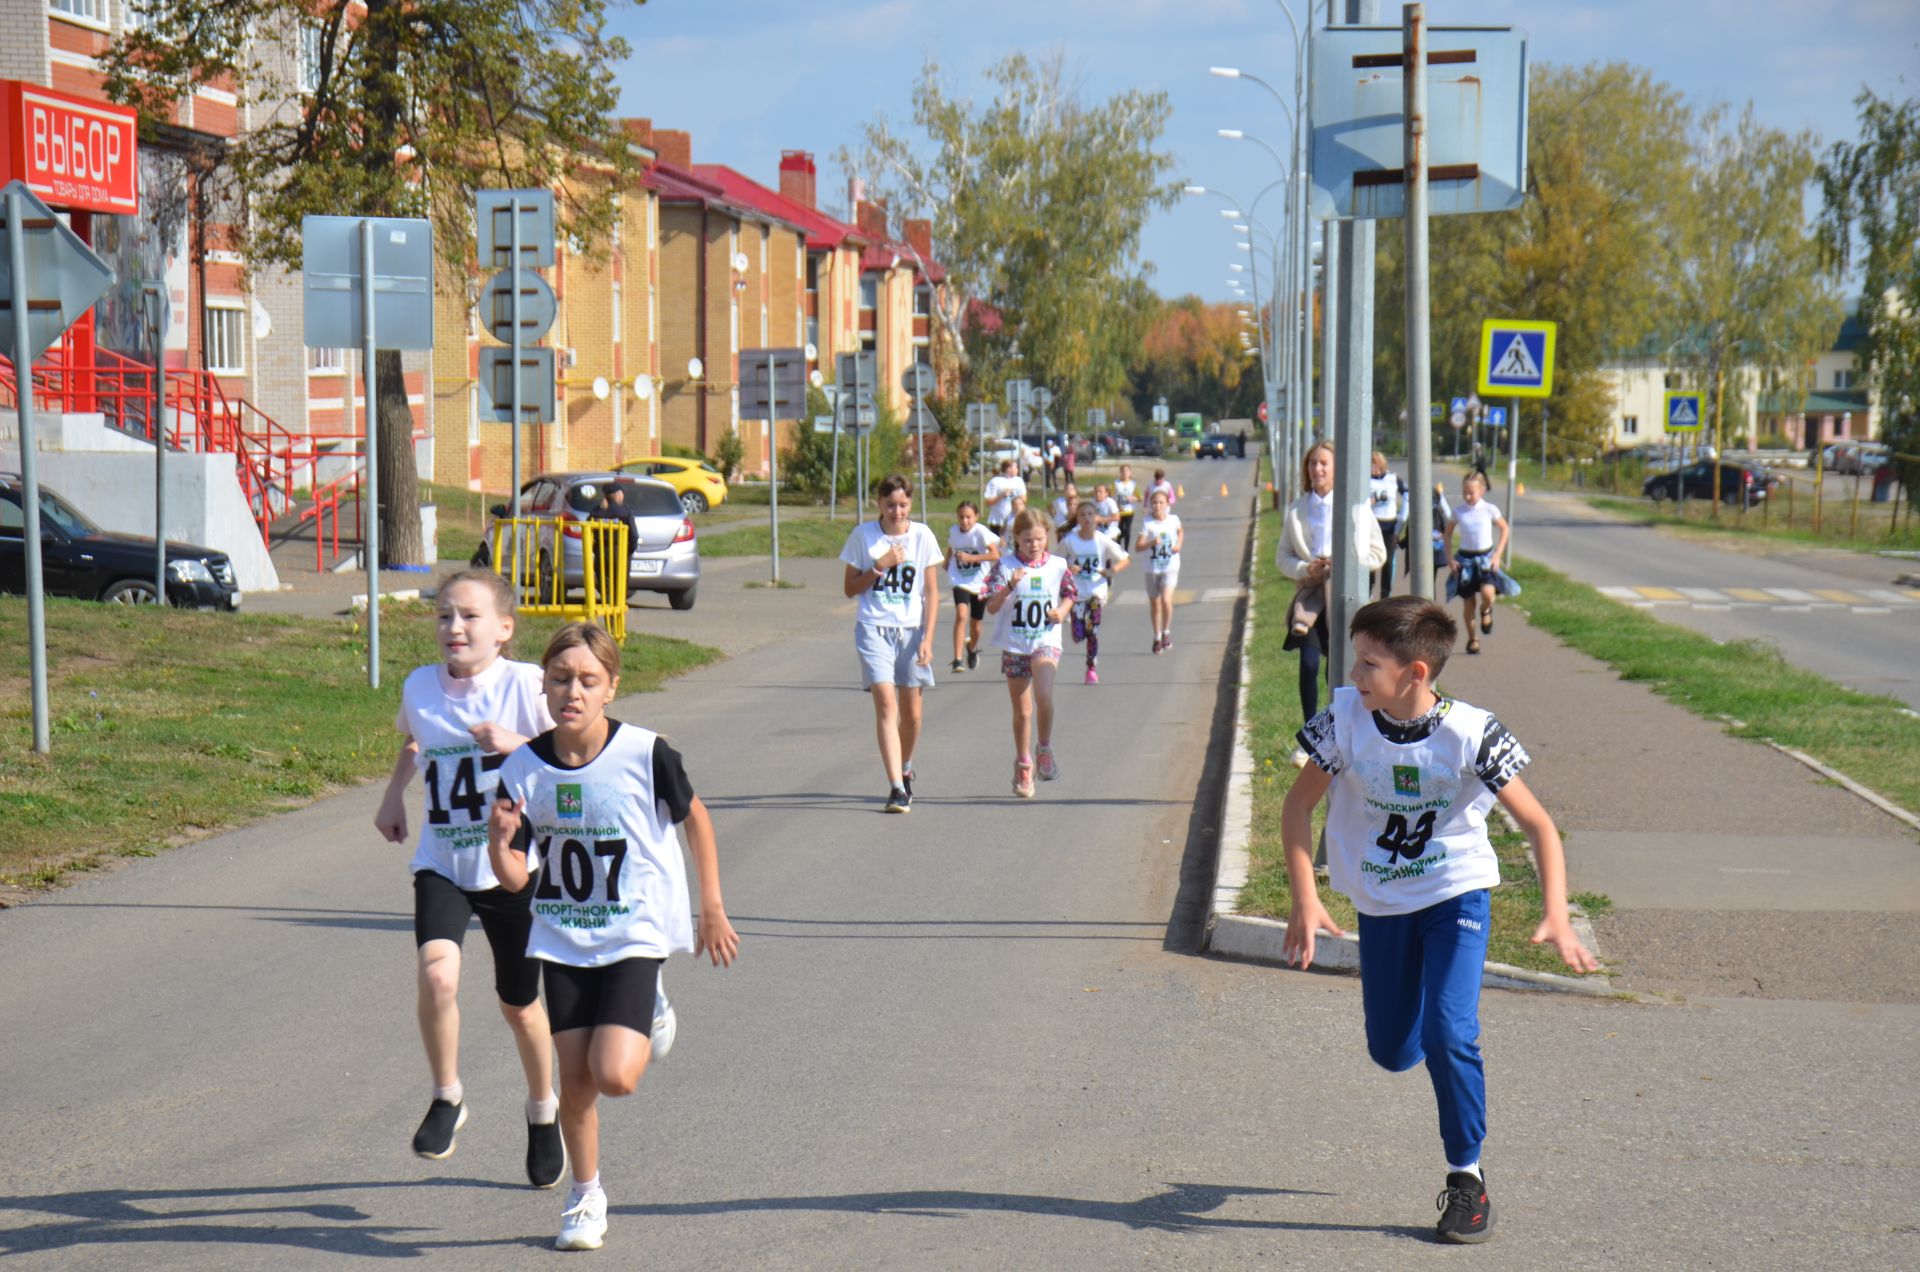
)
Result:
{"points": [[809, 535], [1870, 739], [1735, 531], [168, 725], [1273, 717]]}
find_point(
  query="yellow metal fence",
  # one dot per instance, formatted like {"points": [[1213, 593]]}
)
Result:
{"points": [[531, 553]]}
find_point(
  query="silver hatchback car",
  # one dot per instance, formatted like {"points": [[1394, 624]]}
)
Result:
{"points": [[665, 554]]}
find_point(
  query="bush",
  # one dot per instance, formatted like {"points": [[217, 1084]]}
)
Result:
{"points": [[728, 452], [807, 465]]}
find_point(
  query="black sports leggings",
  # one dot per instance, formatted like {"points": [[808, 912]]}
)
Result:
{"points": [[1311, 655]]}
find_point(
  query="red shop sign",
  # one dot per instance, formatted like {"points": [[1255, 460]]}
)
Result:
{"points": [[74, 153]]}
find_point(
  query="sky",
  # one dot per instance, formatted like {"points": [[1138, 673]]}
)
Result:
{"points": [[750, 78]]}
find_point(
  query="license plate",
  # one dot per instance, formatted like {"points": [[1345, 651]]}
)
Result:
{"points": [[649, 567]]}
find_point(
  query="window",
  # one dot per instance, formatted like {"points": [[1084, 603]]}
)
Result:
{"points": [[923, 301], [473, 414], [813, 275], [733, 322], [619, 317], [813, 333], [313, 38], [226, 330], [1843, 379], [85, 10], [1672, 381], [1630, 425], [326, 361], [765, 236], [869, 292], [134, 15]]}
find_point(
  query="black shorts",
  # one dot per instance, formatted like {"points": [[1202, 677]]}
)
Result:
{"points": [[618, 994], [442, 909], [973, 602]]}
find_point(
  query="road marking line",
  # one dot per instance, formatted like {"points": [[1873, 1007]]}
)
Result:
{"points": [[1703, 594], [1223, 594], [1882, 594], [1871, 609], [1129, 598], [1790, 593], [1619, 593], [1837, 595], [1720, 609], [1659, 594], [1750, 594], [1797, 609]]}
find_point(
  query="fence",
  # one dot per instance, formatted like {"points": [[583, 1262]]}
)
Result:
{"points": [[550, 559]]}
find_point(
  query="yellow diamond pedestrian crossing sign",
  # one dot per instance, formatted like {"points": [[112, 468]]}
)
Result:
{"points": [[1516, 358], [1684, 413]]}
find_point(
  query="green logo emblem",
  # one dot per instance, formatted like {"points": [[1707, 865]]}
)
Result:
{"points": [[569, 802], [1406, 779]]}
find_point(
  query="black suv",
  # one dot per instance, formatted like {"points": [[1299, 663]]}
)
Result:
{"points": [[1222, 446], [78, 558], [1739, 483]]}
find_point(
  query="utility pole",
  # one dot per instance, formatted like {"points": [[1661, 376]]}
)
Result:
{"points": [[1419, 387], [1350, 389]]}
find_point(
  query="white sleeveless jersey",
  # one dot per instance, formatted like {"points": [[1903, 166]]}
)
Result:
{"points": [[1022, 626], [1407, 821], [1089, 557], [612, 883], [1162, 555], [1124, 492], [968, 576], [438, 711]]}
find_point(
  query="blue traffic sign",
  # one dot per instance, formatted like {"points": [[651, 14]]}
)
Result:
{"points": [[1458, 404], [1497, 416], [1516, 357], [1686, 412]]}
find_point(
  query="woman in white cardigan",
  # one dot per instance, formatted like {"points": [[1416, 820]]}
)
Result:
{"points": [[1305, 555]]}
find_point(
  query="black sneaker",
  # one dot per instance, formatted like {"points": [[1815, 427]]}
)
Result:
{"points": [[434, 1139], [898, 801], [906, 780], [973, 659], [546, 1154], [957, 665], [1466, 1216]]}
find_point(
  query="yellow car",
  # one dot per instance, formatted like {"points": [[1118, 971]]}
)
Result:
{"points": [[698, 483]]}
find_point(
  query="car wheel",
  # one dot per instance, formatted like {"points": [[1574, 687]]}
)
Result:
{"points": [[1658, 494], [547, 593], [129, 592], [684, 598], [693, 503]]}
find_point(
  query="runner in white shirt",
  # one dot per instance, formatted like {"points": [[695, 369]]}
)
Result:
{"points": [[1161, 537], [970, 548], [1000, 494], [1028, 597], [1095, 558], [890, 567], [461, 719], [1106, 512], [1063, 505], [599, 801], [1482, 532], [1126, 494]]}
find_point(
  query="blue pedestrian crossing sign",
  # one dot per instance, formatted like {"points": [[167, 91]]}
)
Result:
{"points": [[1497, 416], [1458, 404], [1685, 413], [1516, 358]]}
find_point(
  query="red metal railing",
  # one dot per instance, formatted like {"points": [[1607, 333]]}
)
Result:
{"points": [[324, 511]]}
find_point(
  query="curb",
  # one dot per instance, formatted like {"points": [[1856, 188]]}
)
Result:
{"points": [[359, 599], [1252, 939]]}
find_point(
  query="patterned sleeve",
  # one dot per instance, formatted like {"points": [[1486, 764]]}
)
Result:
{"points": [[1317, 740], [1068, 591], [1501, 756], [995, 580]]}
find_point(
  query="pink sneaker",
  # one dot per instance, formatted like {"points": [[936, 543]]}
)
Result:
{"points": [[1093, 677], [1049, 768], [1023, 778]]}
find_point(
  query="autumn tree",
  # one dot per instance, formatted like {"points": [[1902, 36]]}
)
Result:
{"points": [[1038, 198], [1191, 354], [406, 108], [1872, 218]]}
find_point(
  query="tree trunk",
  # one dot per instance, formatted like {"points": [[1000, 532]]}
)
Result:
{"points": [[399, 478]]}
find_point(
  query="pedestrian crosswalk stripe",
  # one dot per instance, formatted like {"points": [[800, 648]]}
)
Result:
{"points": [[1659, 594], [1865, 600], [1704, 594], [1791, 594], [1222, 594], [1839, 597], [1620, 593], [1752, 594], [1882, 594]]}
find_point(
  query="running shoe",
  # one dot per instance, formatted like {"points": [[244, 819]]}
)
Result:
{"points": [[1486, 623], [957, 665], [898, 801], [583, 1224], [1093, 677], [546, 1154], [1156, 644], [973, 659], [434, 1139], [1466, 1216], [1049, 767], [906, 778], [1166, 639], [1023, 778], [666, 1023]]}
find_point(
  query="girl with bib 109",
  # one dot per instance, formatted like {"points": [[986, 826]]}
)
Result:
{"points": [[1027, 599], [599, 800]]}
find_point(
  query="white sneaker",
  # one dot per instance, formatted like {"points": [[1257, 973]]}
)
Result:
{"points": [[666, 1022], [583, 1224]]}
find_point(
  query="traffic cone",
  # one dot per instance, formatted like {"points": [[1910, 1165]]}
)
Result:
{"points": [[1223, 490], [1520, 488], [1179, 492]]}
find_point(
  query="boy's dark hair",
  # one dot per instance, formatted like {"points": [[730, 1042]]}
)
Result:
{"points": [[892, 483], [1410, 628], [965, 504]]}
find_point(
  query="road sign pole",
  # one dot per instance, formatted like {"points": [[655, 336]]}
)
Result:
{"points": [[1513, 471], [1420, 565], [773, 461], [150, 298], [370, 378], [29, 474], [513, 316]]}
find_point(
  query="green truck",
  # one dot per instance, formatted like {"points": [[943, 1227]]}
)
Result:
{"points": [[1188, 428]]}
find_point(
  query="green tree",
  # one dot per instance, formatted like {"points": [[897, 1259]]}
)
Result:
{"points": [[409, 107], [1872, 197], [1191, 354], [1037, 198]]}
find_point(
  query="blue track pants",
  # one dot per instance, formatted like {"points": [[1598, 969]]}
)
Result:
{"points": [[1420, 985]]}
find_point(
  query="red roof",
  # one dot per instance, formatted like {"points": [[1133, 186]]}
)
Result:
{"points": [[823, 232]]}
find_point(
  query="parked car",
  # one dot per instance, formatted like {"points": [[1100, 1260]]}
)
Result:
{"points": [[1222, 446], [1739, 483], [78, 558], [665, 553], [1025, 457], [1114, 442], [1144, 444], [700, 484], [1865, 458]]}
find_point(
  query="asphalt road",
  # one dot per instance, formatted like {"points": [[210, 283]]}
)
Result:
{"points": [[972, 1037]]}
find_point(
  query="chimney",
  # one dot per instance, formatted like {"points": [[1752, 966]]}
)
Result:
{"points": [[871, 218], [920, 234], [674, 148], [797, 175], [855, 192], [639, 131]]}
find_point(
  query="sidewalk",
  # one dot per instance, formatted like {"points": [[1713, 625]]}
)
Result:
{"points": [[1733, 869]]}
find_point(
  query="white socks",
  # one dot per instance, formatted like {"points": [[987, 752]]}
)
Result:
{"points": [[1473, 1170], [451, 1094], [542, 1112], [586, 1187]]}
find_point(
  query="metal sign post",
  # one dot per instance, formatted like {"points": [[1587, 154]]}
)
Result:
{"points": [[918, 383], [51, 278], [153, 297], [516, 231], [784, 384]]}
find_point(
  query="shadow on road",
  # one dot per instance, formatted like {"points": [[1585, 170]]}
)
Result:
{"points": [[915, 929]]}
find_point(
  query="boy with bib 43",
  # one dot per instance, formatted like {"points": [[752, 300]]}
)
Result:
{"points": [[1410, 776], [601, 799], [1027, 598]]}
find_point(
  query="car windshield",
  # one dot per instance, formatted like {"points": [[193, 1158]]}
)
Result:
{"points": [[642, 498], [63, 514]]}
